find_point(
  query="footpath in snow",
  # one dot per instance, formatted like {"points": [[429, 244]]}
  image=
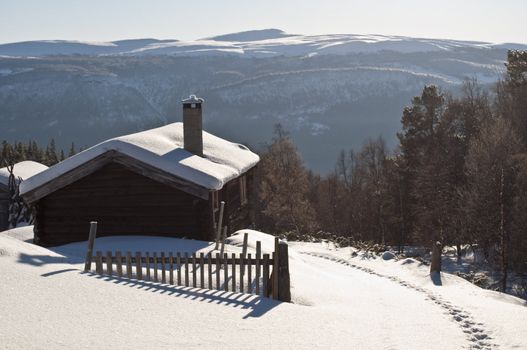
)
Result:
{"points": [[339, 302]]}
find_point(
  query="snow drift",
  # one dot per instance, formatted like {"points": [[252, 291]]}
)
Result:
{"points": [[339, 302]]}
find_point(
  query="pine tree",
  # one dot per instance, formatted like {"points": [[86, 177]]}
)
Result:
{"points": [[419, 144], [512, 92], [37, 152], [72, 150], [51, 154]]}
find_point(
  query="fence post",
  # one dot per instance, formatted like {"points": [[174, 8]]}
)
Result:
{"points": [[138, 266], [242, 268], [109, 263], [276, 267], [119, 263], [209, 263], [284, 282], [258, 256], [223, 237], [218, 271], [244, 248], [233, 272], [194, 283], [220, 223], [435, 265], [186, 270], [129, 264], [171, 273], [249, 273], [225, 272], [244, 254], [163, 268], [201, 269], [98, 263], [265, 276], [155, 268], [178, 263], [147, 266], [91, 240]]}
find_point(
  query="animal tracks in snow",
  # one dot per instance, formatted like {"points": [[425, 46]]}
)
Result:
{"points": [[475, 332]]}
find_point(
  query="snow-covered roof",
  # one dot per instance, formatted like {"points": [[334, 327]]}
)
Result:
{"points": [[162, 148], [23, 170]]}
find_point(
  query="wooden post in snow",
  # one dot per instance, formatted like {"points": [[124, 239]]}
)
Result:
{"points": [[266, 285], [274, 275], [284, 282], [91, 241], [244, 248], [257, 267], [220, 223], [435, 265], [223, 238], [244, 254], [119, 263]]}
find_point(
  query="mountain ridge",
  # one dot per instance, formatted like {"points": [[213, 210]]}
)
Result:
{"points": [[252, 43]]}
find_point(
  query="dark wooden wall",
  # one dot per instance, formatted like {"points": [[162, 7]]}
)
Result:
{"points": [[237, 216], [123, 203], [4, 210]]}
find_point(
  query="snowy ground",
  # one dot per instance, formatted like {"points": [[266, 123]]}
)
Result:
{"points": [[339, 301]]}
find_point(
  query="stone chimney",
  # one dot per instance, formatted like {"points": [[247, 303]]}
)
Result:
{"points": [[193, 125]]}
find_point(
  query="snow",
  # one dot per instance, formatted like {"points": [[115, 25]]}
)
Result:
{"points": [[24, 170], [388, 255], [259, 43], [339, 302], [305, 45], [162, 148], [192, 99]]}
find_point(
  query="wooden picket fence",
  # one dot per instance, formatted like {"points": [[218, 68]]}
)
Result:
{"points": [[266, 275]]}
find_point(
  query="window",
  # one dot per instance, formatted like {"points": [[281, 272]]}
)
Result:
{"points": [[243, 190]]}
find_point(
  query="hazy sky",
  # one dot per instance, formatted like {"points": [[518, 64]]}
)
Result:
{"points": [[105, 20]]}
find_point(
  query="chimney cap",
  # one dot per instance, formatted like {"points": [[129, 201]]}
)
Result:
{"points": [[193, 99]]}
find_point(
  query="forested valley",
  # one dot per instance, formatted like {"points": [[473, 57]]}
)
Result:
{"points": [[458, 176]]}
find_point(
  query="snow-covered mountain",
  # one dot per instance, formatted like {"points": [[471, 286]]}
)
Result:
{"points": [[330, 91], [255, 43]]}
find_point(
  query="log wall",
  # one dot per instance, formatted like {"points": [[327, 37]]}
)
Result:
{"points": [[4, 210], [124, 203], [237, 216]]}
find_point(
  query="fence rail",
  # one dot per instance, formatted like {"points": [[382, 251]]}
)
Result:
{"points": [[261, 274]]}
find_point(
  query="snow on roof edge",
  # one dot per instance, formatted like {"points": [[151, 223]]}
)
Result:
{"points": [[23, 170]]}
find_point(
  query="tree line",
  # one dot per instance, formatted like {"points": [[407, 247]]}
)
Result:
{"points": [[12, 153], [458, 176]]}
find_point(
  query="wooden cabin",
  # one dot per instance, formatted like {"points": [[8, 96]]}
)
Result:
{"points": [[167, 181], [21, 171]]}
